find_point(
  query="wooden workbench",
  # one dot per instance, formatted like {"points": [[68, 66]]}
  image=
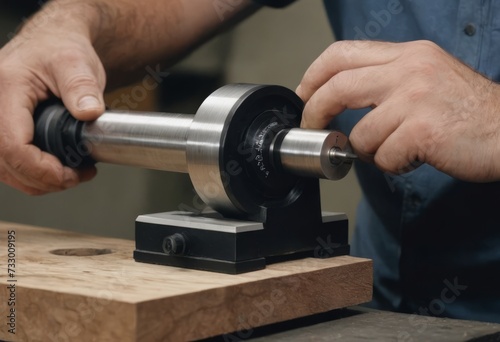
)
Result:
{"points": [[73, 287]]}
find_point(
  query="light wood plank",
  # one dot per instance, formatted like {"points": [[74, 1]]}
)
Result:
{"points": [[110, 297]]}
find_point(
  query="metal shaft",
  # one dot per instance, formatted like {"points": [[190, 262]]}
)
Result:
{"points": [[158, 141], [237, 149], [149, 140], [169, 142], [310, 153]]}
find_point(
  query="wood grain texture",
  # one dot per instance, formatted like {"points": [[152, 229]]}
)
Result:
{"points": [[110, 297]]}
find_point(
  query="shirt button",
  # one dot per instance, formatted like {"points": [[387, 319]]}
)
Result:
{"points": [[470, 30]]}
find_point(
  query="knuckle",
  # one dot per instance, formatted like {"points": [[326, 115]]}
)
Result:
{"points": [[418, 93], [313, 105], [422, 136], [356, 140], [423, 59], [359, 140], [17, 164], [384, 163], [424, 68], [43, 175], [79, 81], [399, 164], [81, 63], [423, 49], [427, 45], [420, 129], [344, 81], [341, 85]]}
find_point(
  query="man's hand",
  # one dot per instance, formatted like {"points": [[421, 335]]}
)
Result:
{"points": [[64, 51], [51, 60], [428, 107]]}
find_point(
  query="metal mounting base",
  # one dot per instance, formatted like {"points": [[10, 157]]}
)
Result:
{"points": [[213, 243]]}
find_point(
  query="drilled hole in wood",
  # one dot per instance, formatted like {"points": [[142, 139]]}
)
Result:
{"points": [[81, 251]]}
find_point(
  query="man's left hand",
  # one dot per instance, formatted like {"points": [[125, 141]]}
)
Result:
{"points": [[428, 107]]}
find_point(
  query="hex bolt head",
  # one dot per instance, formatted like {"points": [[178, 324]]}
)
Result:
{"points": [[174, 244]]}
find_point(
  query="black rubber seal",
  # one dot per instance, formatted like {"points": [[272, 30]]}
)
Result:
{"points": [[59, 133]]}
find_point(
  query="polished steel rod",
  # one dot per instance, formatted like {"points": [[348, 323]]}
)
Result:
{"points": [[159, 141], [307, 153], [149, 140]]}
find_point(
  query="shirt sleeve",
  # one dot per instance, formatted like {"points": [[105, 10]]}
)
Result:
{"points": [[274, 3]]}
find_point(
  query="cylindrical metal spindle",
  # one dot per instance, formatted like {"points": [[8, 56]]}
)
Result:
{"points": [[308, 153], [235, 148], [149, 140]]}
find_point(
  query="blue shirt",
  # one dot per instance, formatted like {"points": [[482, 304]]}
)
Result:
{"points": [[435, 240]]}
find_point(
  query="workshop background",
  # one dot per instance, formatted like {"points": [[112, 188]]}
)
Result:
{"points": [[272, 47]]}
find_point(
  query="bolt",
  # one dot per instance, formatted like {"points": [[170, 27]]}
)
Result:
{"points": [[174, 244]]}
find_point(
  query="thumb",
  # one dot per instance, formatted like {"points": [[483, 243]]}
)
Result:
{"points": [[81, 79]]}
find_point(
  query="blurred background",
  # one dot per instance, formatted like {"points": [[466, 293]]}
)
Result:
{"points": [[272, 47]]}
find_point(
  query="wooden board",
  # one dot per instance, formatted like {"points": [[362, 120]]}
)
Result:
{"points": [[110, 297]]}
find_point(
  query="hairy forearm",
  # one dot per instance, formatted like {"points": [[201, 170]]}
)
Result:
{"points": [[73, 49], [129, 34]]}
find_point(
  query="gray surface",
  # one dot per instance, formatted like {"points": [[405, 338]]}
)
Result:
{"points": [[389, 326]]}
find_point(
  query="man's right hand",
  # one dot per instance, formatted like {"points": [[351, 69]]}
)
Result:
{"points": [[63, 51], [40, 62]]}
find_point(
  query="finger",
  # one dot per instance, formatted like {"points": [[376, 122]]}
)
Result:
{"points": [[11, 181], [22, 161], [86, 174], [79, 81], [27, 185], [402, 151], [345, 55], [374, 128], [39, 170], [353, 89]]}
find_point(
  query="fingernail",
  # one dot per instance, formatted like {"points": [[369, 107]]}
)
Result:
{"points": [[70, 179], [89, 102]]}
